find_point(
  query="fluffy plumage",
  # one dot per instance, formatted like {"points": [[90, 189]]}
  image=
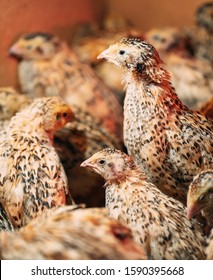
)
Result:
{"points": [[32, 177], [200, 196], [169, 141], [157, 221], [70, 233], [49, 67]]}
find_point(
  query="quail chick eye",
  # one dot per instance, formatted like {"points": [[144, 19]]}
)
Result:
{"points": [[121, 52], [64, 115], [101, 161]]}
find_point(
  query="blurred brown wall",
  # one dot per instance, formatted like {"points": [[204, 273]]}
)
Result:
{"points": [[58, 16]]}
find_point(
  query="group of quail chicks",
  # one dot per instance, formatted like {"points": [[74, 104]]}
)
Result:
{"points": [[107, 152]]}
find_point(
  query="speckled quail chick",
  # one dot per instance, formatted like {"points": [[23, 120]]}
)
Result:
{"points": [[169, 141], [32, 177], [49, 67], [69, 233], [157, 221], [200, 197], [191, 77]]}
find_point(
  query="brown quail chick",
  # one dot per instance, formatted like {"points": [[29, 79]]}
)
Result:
{"points": [[157, 221], [74, 143], [32, 177], [169, 141], [49, 67], [70, 233], [200, 36], [209, 249], [207, 109], [191, 77], [5, 223], [200, 197]]}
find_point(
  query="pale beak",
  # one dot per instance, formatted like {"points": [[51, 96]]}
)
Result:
{"points": [[105, 54], [86, 163], [15, 51], [193, 210]]}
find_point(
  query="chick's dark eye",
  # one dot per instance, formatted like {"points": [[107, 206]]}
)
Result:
{"points": [[64, 115], [101, 161], [121, 52]]}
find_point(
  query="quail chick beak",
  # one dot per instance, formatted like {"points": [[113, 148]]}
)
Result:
{"points": [[192, 210], [107, 54], [87, 163], [15, 51]]}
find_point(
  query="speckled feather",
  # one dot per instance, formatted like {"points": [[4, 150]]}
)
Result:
{"points": [[5, 222], [50, 67], [69, 233], [200, 196], [169, 141], [32, 177], [157, 221]]}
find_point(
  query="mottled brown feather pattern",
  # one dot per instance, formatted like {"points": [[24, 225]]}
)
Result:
{"points": [[200, 197], [169, 141], [158, 222], [32, 177], [70, 233]]}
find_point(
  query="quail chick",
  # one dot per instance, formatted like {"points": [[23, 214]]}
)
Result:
{"points": [[191, 77], [200, 197], [32, 177], [5, 223], [169, 141], [74, 143], [49, 67], [209, 249], [70, 233], [157, 221]]}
